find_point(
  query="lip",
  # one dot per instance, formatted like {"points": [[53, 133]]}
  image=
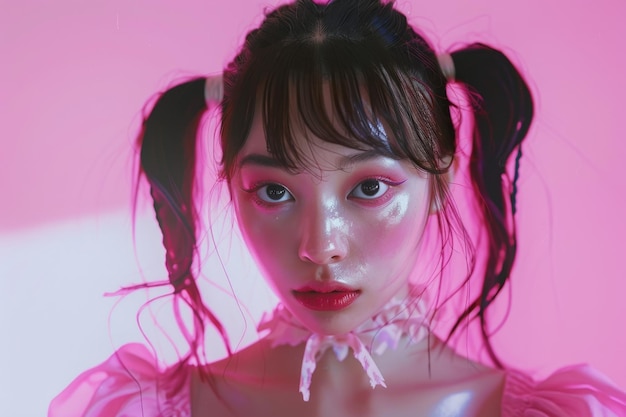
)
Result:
{"points": [[328, 297]]}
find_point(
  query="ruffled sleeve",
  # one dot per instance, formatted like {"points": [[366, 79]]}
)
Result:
{"points": [[572, 391], [127, 384]]}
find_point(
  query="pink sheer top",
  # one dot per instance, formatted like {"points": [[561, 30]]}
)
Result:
{"points": [[127, 384]]}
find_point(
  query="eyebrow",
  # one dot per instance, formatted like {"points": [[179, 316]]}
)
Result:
{"points": [[344, 161]]}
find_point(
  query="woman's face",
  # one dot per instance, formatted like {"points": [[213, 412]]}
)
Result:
{"points": [[337, 240]]}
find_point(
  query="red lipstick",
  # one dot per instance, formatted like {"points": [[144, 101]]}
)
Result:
{"points": [[332, 297]]}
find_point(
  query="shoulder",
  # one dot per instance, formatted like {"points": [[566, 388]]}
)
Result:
{"points": [[130, 382], [573, 391], [462, 383], [577, 390], [248, 381]]}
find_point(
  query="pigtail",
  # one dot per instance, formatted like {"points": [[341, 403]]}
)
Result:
{"points": [[167, 144], [503, 110]]}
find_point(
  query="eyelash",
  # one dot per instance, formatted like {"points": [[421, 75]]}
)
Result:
{"points": [[255, 188], [376, 201]]}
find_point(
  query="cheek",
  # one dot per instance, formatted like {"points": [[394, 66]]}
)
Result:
{"points": [[396, 230], [397, 213], [265, 235]]}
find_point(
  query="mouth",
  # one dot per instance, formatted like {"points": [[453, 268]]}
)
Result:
{"points": [[332, 298]]}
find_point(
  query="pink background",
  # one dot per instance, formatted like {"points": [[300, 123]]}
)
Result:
{"points": [[74, 76]]}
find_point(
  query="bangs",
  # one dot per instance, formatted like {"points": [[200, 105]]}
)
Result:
{"points": [[347, 94]]}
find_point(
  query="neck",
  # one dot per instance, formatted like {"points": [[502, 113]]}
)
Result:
{"points": [[345, 384], [341, 387], [332, 374]]}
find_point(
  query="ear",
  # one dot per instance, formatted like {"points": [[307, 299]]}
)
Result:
{"points": [[436, 202]]}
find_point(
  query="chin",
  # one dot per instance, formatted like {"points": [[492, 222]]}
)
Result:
{"points": [[331, 323]]}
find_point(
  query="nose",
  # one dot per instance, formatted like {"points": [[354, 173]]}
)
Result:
{"points": [[324, 235]]}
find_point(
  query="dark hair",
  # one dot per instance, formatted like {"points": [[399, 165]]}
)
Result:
{"points": [[377, 69]]}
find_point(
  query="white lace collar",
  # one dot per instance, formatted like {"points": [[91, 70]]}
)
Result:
{"points": [[402, 316]]}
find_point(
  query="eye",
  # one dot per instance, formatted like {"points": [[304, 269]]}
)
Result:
{"points": [[273, 193], [370, 189]]}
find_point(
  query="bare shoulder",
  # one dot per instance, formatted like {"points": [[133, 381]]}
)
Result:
{"points": [[236, 385], [477, 385], [446, 363], [440, 379]]}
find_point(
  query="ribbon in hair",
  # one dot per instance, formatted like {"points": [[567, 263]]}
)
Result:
{"points": [[446, 63], [214, 89]]}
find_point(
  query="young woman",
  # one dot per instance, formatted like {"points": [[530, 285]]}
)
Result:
{"points": [[338, 147]]}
